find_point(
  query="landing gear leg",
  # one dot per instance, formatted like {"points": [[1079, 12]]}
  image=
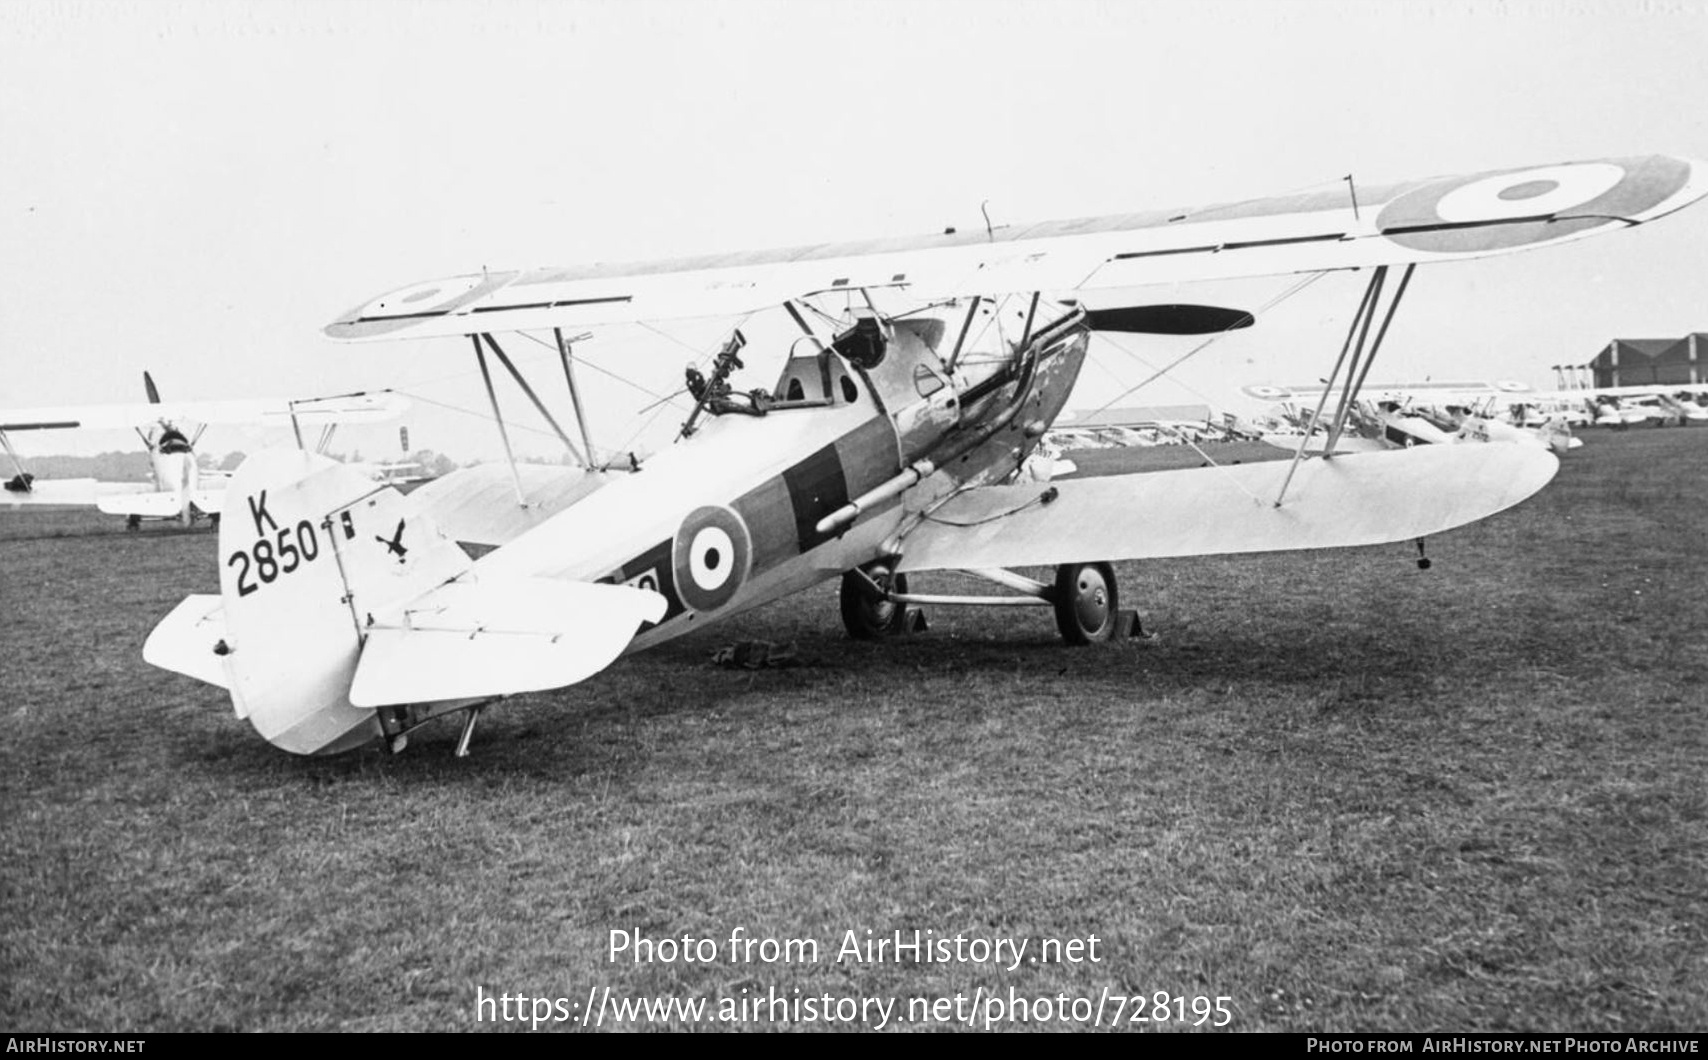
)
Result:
{"points": [[468, 731], [394, 726], [133, 522], [865, 614], [1086, 602]]}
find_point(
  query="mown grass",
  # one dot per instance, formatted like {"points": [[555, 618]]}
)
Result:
{"points": [[1345, 793]]}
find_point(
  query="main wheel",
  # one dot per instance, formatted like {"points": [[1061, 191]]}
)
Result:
{"points": [[866, 615], [1086, 602]]}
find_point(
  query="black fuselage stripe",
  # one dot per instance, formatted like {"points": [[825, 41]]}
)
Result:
{"points": [[817, 486]]}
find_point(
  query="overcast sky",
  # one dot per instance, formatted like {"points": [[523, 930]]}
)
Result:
{"points": [[198, 188]]}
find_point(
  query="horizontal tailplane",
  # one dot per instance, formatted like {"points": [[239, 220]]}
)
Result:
{"points": [[191, 640], [477, 638]]}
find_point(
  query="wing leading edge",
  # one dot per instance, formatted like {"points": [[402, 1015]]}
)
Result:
{"points": [[1439, 219]]}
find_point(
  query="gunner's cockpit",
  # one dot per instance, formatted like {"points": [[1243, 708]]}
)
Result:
{"points": [[814, 377]]}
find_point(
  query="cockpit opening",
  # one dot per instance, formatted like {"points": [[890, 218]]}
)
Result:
{"points": [[864, 344], [814, 380], [172, 440]]}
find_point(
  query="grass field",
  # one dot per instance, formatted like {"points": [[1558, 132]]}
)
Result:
{"points": [[1342, 792]]}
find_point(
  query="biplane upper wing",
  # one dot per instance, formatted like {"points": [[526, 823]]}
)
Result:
{"points": [[358, 408], [1354, 499], [1439, 219]]}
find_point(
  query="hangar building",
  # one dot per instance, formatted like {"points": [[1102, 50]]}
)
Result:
{"points": [[1648, 362]]}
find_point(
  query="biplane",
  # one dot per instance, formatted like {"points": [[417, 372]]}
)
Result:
{"points": [[921, 375], [1507, 410], [181, 489], [1402, 415]]}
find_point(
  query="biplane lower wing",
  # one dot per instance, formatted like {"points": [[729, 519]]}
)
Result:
{"points": [[79, 492], [1353, 499], [156, 505]]}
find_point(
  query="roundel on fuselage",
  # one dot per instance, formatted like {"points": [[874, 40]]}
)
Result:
{"points": [[1500, 211], [710, 557]]}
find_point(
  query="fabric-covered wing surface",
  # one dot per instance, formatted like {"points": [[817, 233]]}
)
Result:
{"points": [[1442, 218], [1355, 499], [272, 412]]}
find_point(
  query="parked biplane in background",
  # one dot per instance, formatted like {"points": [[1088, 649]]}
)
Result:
{"points": [[181, 488], [1402, 415], [923, 373], [399, 472]]}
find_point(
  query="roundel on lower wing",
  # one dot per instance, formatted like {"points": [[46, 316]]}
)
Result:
{"points": [[710, 557], [1503, 211], [1269, 393]]}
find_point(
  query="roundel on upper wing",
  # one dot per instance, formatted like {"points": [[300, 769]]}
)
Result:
{"points": [[1500, 211], [429, 297], [710, 557], [1268, 393]]}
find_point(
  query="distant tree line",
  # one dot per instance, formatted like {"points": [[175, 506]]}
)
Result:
{"points": [[108, 467]]}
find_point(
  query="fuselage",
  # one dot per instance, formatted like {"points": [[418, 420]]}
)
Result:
{"points": [[730, 517], [176, 473]]}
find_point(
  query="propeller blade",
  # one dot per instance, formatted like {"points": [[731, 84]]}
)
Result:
{"points": [[1170, 319], [148, 385]]}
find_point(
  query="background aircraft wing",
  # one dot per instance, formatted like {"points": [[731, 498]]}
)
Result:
{"points": [[276, 412], [209, 499], [70, 491], [155, 505], [1354, 499], [1439, 219]]}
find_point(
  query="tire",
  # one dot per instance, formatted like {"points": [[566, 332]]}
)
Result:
{"points": [[865, 616], [1087, 603]]}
